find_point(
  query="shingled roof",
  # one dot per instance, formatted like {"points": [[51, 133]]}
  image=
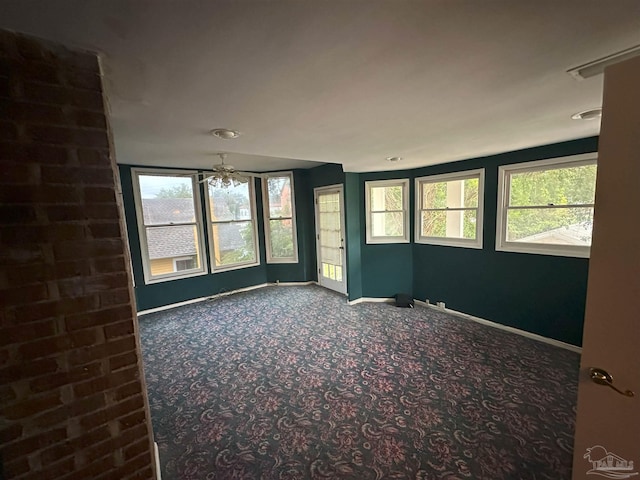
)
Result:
{"points": [[179, 240]]}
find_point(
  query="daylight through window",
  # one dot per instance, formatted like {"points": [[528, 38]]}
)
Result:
{"points": [[170, 226], [387, 211], [547, 206], [231, 212], [449, 209], [279, 213]]}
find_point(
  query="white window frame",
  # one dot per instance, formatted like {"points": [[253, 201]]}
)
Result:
{"points": [[254, 224], [268, 218], [402, 182], [451, 241], [142, 232], [504, 173]]}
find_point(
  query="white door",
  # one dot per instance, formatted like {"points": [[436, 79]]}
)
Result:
{"points": [[330, 249], [607, 442]]}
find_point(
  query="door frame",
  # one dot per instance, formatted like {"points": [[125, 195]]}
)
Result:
{"points": [[340, 190]]}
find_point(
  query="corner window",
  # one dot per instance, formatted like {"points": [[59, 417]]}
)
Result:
{"points": [[279, 218], [387, 212], [232, 232], [546, 207], [449, 209], [169, 222]]}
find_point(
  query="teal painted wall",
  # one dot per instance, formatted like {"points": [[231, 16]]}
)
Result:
{"points": [[387, 269], [353, 197], [538, 293], [322, 176], [174, 291], [304, 269]]}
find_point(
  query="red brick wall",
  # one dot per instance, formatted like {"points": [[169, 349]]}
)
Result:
{"points": [[72, 396]]}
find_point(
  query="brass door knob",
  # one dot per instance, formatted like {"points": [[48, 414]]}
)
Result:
{"points": [[602, 377]]}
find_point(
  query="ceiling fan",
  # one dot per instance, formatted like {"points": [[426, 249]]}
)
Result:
{"points": [[224, 175]]}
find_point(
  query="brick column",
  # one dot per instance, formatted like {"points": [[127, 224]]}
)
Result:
{"points": [[72, 398]]}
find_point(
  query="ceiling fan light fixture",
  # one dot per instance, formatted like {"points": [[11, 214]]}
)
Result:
{"points": [[593, 114], [225, 133], [225, 176]]}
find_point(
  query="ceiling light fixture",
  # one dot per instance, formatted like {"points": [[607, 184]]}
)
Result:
{"points": [[393, 159], [223, 175], [597, 67], [225, 133], [593, 114]]}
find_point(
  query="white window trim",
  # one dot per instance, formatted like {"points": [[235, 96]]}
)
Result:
{"points": [[451, 241], [177, 259], [254, 222], [142, 232], [404, 183], [267, 218], [502, 245]]}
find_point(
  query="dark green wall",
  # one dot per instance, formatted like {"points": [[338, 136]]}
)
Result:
{"points": [[537, 293], [542, 294], [174, 291], [303, 270], [387, 269]]}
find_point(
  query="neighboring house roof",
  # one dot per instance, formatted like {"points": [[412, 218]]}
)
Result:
{"points": [[572, 235], [166, 242], [178, 240], [167, 210]]}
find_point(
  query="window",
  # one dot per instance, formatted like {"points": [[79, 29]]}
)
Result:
{"points": [[231, 213], [387, 211], [546, 207], [279, 214], [185, 263], [449, 209], [170, 226]]}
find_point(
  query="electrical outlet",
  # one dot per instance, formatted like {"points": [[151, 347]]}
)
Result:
{"points": [[440, 305]]}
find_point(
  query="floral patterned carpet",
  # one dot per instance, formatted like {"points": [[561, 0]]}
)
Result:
{"points": [[291, 383]]}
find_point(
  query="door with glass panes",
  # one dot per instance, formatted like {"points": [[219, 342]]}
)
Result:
{"points": [[329, 206]]}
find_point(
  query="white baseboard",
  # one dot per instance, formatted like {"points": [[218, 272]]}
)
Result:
{"points": [[371, 300], [157, 456], [290, 284], [517, 331], [223, 294]]}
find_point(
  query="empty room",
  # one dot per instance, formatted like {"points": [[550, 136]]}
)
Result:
{"points": [[319, 239]]}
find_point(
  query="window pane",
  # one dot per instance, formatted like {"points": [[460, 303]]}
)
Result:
{"points": [[186, 264], [558, 186], [386, 198], [387, 224], [233, 243], [452, 194], [232, 203], [281, 236], [165, 244], [449, 224], [557, 226], [279, 196], [166, 199]]}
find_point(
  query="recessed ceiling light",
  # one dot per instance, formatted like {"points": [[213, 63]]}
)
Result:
{"points": [[393, 159], [225, 133], [592, 114]]}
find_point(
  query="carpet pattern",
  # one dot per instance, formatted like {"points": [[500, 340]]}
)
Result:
{"points": [[291, 383]]}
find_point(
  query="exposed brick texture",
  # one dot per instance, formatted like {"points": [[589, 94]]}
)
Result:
{"points": [[72, 398]]}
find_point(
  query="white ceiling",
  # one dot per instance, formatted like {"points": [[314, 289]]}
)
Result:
{"points": [[339, 81]]}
